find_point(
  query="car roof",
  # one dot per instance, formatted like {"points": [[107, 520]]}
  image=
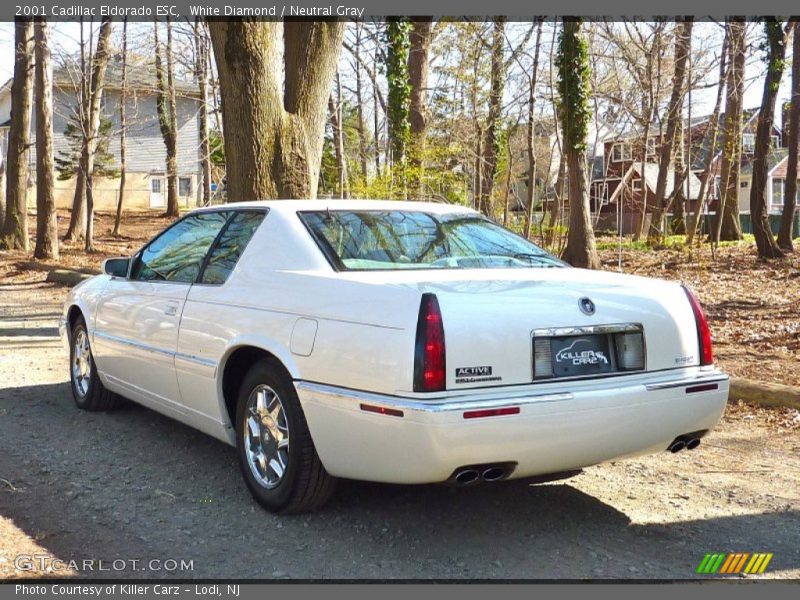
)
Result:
{"points": [[293, 206]]}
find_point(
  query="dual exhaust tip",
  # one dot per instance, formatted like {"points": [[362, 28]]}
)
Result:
{"points": [[690, 441], [474, 474]]}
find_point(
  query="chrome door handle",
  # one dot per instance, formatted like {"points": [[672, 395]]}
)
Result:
{"points": [[171, 310]]}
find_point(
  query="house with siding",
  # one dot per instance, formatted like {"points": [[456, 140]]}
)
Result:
{"points": [[145, 186], [619, 191]]}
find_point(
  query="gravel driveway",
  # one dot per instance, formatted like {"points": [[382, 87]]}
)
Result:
{"points": [[134, 485]]}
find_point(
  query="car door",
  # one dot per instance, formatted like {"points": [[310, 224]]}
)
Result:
{"points": [[137, 318], [208, 322]]}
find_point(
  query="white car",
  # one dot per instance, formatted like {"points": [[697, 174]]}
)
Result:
{"points": [[396, 342]]}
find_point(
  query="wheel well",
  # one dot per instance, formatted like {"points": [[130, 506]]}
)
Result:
{"points": [[236, 367], [72, 317]]}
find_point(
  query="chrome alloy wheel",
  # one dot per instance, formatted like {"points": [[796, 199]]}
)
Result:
{"points": [[81, 363], [266, 436]]}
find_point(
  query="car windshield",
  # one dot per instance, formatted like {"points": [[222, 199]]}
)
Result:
{"points": [[372, 240]]}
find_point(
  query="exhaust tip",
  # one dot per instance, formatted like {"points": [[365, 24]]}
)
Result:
{"points": [[677, 446], [467, 476], [494, 474], [693, 443]]}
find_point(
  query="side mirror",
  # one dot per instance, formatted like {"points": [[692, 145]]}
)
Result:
{"points": [[116, 267]]}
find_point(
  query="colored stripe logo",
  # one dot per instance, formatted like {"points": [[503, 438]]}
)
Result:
{"points": [[734, 563]]}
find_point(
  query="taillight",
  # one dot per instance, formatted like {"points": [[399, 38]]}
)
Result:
{"points": [[703, 332], [429, 361]]}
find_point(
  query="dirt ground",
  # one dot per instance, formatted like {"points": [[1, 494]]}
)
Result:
{"points": [[134, 485]]}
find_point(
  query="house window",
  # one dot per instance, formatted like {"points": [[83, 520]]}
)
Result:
{"points": [[744, 184], [651, 146], [636, 185], [778, 186], [621, 152], [776, 141], [717, 187], [748, 142], [184, 186]]}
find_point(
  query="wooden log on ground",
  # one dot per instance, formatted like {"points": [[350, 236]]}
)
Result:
{"points": [[764, 394]]}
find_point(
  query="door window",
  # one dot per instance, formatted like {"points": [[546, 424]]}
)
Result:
{"points": [[229, 247], [178, 253]]}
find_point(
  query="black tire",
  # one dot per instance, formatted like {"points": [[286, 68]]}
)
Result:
{"points": [[304, 484], [88, 391]]}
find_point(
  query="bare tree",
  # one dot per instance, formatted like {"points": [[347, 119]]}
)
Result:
{"points": [[167, 115], [201, 73], [790, 191], [488, 159], [726, 224], [336, 110], [15, 229], [123, 128], [99, 64], [418, 58], [683, 46], [273, 129], [710, 141], [46, 223], [531, 137], [776, 41], [77, 216]]}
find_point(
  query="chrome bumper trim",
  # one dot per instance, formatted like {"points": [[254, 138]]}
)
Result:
{"points": [[432, 406], [713, 377]]}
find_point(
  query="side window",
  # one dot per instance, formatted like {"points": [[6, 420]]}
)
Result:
{"points": [[230, 246], [178, 253]]}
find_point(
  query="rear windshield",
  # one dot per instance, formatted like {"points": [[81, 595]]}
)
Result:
{"points": [[393, 240]]}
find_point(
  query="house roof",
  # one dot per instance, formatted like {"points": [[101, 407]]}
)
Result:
{"points": [[139, 78], [651, 179]]}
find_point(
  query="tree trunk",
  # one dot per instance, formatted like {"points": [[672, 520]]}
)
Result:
{"points": [[727, 224], [273, 132], [710, 140], [492, 135], [123, 98], [77, 216], [167, 116], [790, 191], [767, 247], [531, 137], [46, 224], [95, 94], [554, 220], [335, 108], [677, 199], [15, 229], [362, 128], [201, 70], [683, 46], [420, 39], [574, 91]]}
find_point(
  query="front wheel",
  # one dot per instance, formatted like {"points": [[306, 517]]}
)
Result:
{"points": [[276, 453], [87, 389]]}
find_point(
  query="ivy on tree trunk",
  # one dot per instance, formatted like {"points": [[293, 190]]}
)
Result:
{"points": [[776, 51], [575, 113]]}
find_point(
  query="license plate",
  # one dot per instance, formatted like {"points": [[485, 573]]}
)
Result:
{"points": [[576, 356]]}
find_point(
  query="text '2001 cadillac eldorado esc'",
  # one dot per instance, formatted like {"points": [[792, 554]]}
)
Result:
{"points": [[396, 342]]}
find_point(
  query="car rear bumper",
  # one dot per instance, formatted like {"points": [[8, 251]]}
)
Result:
{"points": [[375, 437]]}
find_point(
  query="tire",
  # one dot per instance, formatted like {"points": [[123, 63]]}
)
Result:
{"points": [[276, 453], [87, 389]]}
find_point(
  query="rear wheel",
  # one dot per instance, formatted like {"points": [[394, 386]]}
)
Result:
{"points": [[87, 389], [276, 454]]}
